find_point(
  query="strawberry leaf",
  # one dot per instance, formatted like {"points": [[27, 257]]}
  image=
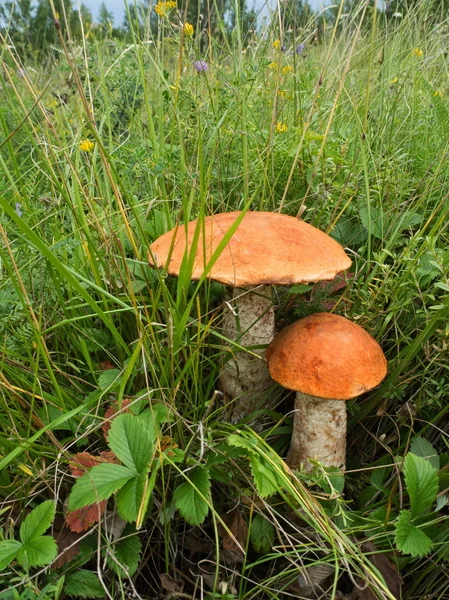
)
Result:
{"points": [[8, 552], [130, 497], [38, 521], [409, 539], [130, 442], [84, 584], [98, 484], [38, 551], [126, 553], [191, 498]]}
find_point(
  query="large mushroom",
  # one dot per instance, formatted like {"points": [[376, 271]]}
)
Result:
{"points": [[266, 249], [326, 359]]}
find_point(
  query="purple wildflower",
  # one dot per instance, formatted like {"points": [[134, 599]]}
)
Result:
{"points": [[21, 72], [17, 209], [200, 66], [300, 49]]}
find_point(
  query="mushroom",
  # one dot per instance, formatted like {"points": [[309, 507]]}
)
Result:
{"points": [[326, 359], [265, 249]]}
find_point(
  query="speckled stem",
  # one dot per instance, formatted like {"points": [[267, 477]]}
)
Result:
{"points": [[249, 321], [319, 432]]}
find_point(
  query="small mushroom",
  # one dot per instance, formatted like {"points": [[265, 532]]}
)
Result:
{"points": [[326, 359], [266, 249]]}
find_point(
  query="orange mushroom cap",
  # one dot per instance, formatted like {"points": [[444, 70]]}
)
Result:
{"points": [[326, 356], [266, 248]]}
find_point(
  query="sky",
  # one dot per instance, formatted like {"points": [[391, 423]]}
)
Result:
{"points": [[117, 6]]}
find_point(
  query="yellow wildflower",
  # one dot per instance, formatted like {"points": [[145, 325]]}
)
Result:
{"points": [[277, 44], [273, 65], [282, 93], [281, 127], [394, 80], [287, 69], [188, 29], [438, 93], [86, 146], [162, 8], [417, 52]]}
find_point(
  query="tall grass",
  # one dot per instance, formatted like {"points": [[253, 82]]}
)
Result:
{"points": [[363, 157]]}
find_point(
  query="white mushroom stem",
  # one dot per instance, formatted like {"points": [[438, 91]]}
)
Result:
{"points": [[248, 321], [319, 432]]}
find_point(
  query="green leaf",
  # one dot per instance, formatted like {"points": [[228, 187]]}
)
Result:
{"points": [[50, 413], [441, 502], [130, 442], [127, 553], [138, 285], [422, 483], [84, 584], [264, 477], [249, 443], [38, 551], [130, 497], [152, 419], [98, 484], [110, 377], [191, 497], [409, 539], [426, 270], [8, 552], [349, 233], [421, 447], [377, 479], [162, 413], [374, 220], [261, 534], [300, 288], [38, 521]]}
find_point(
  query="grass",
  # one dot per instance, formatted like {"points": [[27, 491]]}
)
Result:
{"points": [[363, 157]]}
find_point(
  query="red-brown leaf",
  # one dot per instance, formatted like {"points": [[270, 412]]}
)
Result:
{"points": [[110, 415], [83, 461], [109, 456], [107, 365], [81, 519]]}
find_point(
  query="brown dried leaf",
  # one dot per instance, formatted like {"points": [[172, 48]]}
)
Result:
{"points": [[114, 524], [173, 586], [167, 442], [239, 530], [68, 547], [388, 570], [197, 546], [256, 502], [311, 579]]}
